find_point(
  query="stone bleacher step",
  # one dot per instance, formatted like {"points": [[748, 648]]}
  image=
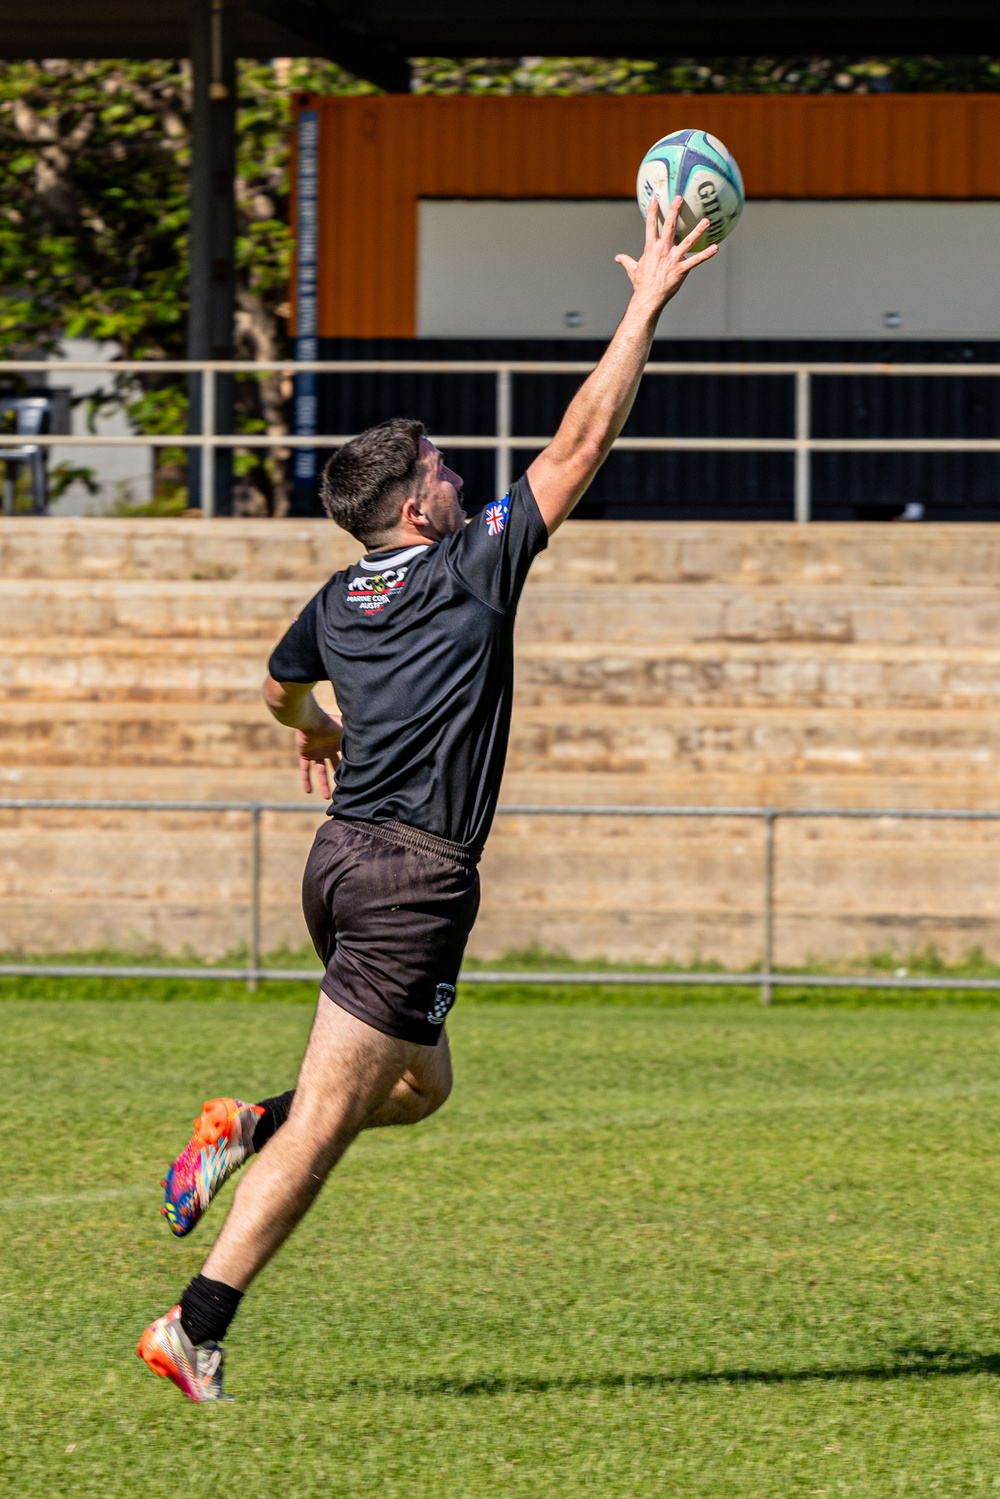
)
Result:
{"points": [[765, 674], [734, 787], [219, 611], [551, 674], [83, 548], [640, 613], [218, 781], [762, 553], [834, 615], [307, 551], [865, 741], [143, 668], [793, 740], [153, 733]]}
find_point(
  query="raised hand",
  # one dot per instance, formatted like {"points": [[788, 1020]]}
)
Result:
{"points": [[660, 272], [598, 412]]}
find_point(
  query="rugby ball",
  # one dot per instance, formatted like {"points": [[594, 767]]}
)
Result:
{"points": [[698, 166]]}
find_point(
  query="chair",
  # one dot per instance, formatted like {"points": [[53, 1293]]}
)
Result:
{"points": [[31, 417]]}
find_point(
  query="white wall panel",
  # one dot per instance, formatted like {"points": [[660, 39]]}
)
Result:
{"points": [[515, 269], [791, 270], [815, 270]]}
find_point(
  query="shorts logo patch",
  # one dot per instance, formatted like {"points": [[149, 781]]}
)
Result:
{"points": [[496, 516], [444, 998], [370, 593]]}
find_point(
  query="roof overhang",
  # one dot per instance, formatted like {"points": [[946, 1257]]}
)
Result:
{"points": [[162, 28], [373, 38]]}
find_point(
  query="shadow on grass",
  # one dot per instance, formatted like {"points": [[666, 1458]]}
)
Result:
{"points": [[905, 1363]]}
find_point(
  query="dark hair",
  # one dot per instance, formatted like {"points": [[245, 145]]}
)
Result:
{"points": [[362, 483]]}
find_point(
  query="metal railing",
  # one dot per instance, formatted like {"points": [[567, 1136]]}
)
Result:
{"points": [[766, 979], [505, 442]]}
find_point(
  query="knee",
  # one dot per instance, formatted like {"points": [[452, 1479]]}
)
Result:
{"points": [[434, 1095], [437, 1084], [417, 1098]]}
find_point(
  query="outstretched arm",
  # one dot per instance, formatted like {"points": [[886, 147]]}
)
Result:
{"points": [[560, 475], [317, 735]]}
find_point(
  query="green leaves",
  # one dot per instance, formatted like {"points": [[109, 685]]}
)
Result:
{"points": [[99, 192], [94, 164], [94, 167], [689, 75]]}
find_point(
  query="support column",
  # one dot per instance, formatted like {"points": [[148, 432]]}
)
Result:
{"points": [[306, 405], [212, 245]]}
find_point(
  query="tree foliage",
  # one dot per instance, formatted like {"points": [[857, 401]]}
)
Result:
{"points": [[94, 160], [94, 163], [719, 75]]}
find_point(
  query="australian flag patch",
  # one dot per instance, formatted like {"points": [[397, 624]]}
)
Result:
{"points": [[496, 516]]}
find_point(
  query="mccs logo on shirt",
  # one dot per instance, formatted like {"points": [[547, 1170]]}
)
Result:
{"points": [[496, 516], [370, 594]]}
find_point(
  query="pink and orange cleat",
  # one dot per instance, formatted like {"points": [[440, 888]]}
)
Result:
{"points": [[222, 1141], [195, 1368]]}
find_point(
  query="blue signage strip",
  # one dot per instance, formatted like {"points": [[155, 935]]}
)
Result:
{"points": [[306, 326]]}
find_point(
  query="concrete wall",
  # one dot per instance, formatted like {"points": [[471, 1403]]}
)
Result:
{"points": [[121, 476], [719, 664]]}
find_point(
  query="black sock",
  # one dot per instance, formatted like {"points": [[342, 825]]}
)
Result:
{"points": [[207, 1308], [276, 1111]]}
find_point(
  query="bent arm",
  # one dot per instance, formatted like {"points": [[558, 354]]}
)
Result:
{"points": [[561, 474], [317, 734], [293, 704]]}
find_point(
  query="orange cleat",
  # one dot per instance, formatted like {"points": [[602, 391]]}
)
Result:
{"points": [[195, 1368], [222, 1141]]}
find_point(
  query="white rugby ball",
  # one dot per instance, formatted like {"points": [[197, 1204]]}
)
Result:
{"points": [[699, 167]]}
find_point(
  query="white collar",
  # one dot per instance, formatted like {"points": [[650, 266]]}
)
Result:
{"points": [[395, 559]]}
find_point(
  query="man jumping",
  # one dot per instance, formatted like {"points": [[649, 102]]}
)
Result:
{"points": [[417, 639]]}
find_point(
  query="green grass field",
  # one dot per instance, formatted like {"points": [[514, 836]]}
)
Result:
{"points": [[681, 1250]]}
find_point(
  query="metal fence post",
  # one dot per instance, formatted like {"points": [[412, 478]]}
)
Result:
{"points": [[803, 499], [208, 451], [503, 450], [767, 957], [254, 955]]}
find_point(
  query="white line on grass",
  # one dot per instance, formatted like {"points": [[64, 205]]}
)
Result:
{"points": [[66, 1199]]}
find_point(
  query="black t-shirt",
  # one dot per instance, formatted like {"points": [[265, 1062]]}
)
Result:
{"points": [[418, 644]]}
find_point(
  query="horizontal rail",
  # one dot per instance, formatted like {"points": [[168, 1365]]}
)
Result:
{"points": [[600, 977], [503, 443], [916, 814], [470, 443], [766, 979], [514, 809], [476, 367]]}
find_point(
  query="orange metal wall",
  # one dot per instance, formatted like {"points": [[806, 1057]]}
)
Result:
{"points": [[380, 155]]}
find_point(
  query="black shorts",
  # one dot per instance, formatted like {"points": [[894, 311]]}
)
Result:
{"points": [[389, 909]]}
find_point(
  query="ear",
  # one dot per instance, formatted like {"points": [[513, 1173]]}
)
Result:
{"points": [[411, 512]]}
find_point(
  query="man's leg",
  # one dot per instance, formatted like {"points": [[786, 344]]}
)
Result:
{"points": [[420, 1092], [349, 1074], [229, 1132], [352, 1077]]}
